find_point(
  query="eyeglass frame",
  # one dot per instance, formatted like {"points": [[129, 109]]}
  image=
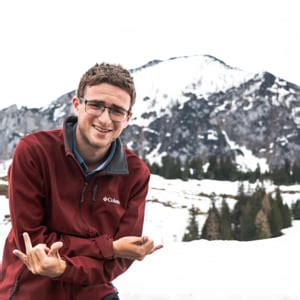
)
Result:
{"points": [[109, 108]]}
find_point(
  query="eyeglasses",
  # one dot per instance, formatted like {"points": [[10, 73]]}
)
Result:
{"points": [[96, 108]]}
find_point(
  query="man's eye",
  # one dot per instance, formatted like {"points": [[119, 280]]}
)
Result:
{"points": [[95, 106], [117, 112]]}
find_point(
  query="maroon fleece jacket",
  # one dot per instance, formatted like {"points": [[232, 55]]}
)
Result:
{"points": [[51, 199]]}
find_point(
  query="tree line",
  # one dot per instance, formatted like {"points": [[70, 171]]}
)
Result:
{"points": [[222, 168], [260, 215]]}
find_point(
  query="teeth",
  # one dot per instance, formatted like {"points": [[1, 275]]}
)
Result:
{"points": [[101, 129]]}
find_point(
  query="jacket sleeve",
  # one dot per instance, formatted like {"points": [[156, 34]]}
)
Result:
{"points": [[89, 260]]}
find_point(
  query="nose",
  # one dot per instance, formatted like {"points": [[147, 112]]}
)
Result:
{"points": [[105, 117]]}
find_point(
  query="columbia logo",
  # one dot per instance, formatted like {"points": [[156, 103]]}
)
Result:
{"points": [[111, 200]]}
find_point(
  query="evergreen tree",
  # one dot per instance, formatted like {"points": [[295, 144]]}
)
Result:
{"points": [[288, 171], [242, 199], [266, 205], [230, 171], [263, 230], [192, 230], [296, 210], [287, 216], [171, 168], [154, 168], [185, 174], [275, 219], [296, 173], [197, 166], [282, 175], [245, 213], [257, 173], [247, 225], [212, 169], [225, 222], [257, 199], [221, 172], [284, 209], [241, 191], [177, 169], [211, 229]]}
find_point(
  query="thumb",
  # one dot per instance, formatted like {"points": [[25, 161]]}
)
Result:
{"points": [[54, 249]]}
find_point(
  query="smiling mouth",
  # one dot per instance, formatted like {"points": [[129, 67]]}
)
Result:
{"points": [[102, 130]]}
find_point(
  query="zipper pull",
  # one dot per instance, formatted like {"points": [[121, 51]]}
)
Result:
{"points": [[94, 192], [83, 192]]}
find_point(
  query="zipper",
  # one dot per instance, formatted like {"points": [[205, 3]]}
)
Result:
{"points": [[16, 284], [94, 193], [83, 192]]}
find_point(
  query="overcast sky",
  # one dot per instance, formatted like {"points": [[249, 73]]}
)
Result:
{"points": [[47, 45]]}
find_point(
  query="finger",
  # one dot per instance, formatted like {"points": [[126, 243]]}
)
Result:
{"points": [[27, 241], [145, 239], [20, 255], [54, 249], [148, 246], [137, 240], [156, 248], [38, 253], [35, 258]]}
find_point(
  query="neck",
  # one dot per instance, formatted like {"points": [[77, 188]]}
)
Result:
{"points": [[91, 154]]}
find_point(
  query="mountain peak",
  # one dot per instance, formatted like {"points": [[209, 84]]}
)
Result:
{"points": [[161, 84]]}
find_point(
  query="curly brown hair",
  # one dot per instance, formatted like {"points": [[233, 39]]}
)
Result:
{"points": [[113, 74]]}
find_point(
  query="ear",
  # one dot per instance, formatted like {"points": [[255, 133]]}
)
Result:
{"points": [[75, 104]]}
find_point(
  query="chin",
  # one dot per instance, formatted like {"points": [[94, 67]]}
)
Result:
{"points": [[101, 144]]}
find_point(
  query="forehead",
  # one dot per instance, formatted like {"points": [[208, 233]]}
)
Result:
{"points": [[107, 92]]}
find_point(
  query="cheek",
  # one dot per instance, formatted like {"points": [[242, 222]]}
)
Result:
{"points": [[119, 128], [84, 119]]}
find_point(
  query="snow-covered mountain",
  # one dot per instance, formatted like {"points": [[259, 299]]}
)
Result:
{"points": [[162, 85], [192, 106]]}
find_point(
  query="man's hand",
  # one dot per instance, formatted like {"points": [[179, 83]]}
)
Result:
{"points": [[40, 259], [134, 247]]}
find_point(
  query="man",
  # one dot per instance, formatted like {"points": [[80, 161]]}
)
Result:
{"points": [[77, 195]]}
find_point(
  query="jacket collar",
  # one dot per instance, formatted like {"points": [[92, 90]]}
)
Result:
{"points": [[118, 165]]}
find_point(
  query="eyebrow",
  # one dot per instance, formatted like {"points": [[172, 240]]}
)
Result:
{"points": [[103, 102]]}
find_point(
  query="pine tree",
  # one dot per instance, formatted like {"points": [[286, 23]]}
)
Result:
{"points": [[247, 225], [257, 172], [225, 222], [287, 216], [242, 199], [282, 175], [212, 169], [171, 168], [296, 210], [185, 174], [229, 169], [154, 168], [275, 219], [263, 230], [284, 210], [197, 166], [266, 205], [176, 173], [296, 173], [212, 229], [192, 230]]}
